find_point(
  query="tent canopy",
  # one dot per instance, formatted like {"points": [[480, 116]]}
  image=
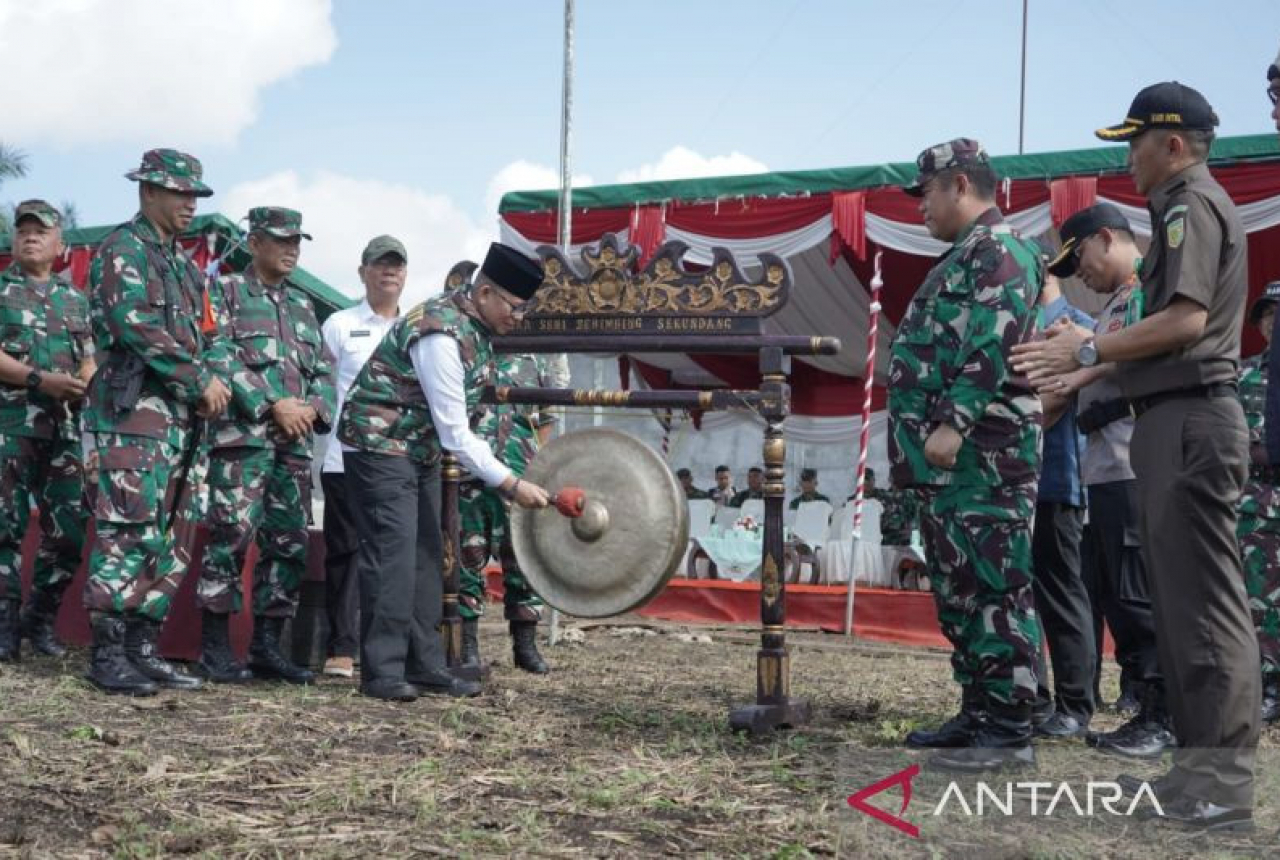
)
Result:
{"points": [[832, 225]]}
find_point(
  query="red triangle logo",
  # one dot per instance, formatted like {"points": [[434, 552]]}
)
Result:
{"points": [[903, 778]]}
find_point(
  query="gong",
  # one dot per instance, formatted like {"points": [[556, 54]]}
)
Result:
{"points": [[631, 535]]}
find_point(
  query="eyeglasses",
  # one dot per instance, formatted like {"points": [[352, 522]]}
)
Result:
{"points": [[517, 310], [1274, 95]]}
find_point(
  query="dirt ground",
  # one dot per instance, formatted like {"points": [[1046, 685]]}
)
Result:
{"points": [[623, 751]]}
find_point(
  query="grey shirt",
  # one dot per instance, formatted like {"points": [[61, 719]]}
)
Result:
{"points": [[1106, 452]]}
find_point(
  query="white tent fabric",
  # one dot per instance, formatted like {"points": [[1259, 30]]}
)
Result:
{"points": [[748, 250], [509, 235], [1258, 215]]}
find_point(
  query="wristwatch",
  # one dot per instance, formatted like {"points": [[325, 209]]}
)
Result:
{"points": [[34, 378], [1087, 353]]}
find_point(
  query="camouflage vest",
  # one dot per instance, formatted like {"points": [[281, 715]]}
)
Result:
{"points": [[508, 428], [47, 329], [386, 411]]}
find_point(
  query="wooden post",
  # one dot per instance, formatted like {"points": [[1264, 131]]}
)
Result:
{"points": [[450, 619], [774, 707]]}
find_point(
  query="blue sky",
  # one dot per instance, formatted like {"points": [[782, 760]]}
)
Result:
{"points": [[410, 117]]}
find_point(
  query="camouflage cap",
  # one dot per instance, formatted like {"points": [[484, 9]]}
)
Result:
{"points": [[808, 474], [44, 212], [1270, 296], [381, 246], [276, 221], [954, 153], [171, 169]]}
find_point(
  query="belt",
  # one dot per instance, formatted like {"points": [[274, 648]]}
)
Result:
{"points": [[1216, 389], [1265, 474]]}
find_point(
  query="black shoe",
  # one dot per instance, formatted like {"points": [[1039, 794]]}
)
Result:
{"points": [[109, 669], [217, 661], [10, 635], [1196, 814], [265, 659], [1128, 703], [389, 689], [1162, 787], [1270, 699], [524, 647], [955, 732], [470, 642], [1003, 741], [140, 634], [443, 684], [36, 623], [1147, 735], [1060, 725]]}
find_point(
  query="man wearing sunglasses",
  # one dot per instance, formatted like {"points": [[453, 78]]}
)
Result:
{"points": [[416, 396]]}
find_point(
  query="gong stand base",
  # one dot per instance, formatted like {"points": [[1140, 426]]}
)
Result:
{"points": [[762, 718]]}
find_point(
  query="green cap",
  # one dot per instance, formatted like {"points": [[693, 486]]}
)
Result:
{"points": [[276, 221], [41, 210], [380, 246], [171, 169]]}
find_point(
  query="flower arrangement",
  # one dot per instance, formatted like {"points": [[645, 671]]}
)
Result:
{"points": [[747, 523]]}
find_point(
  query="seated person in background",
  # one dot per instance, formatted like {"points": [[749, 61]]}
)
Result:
{"points": [[900, 512], [808, 489], [690, 491], [724, 490], [754, 490]]}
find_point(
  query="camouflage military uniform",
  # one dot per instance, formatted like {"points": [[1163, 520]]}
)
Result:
{"points": [[483, 512], [1258, 527], [807, 497], [147, 303], [45, 326], [949, 365], [900, 516], [260, 480]]}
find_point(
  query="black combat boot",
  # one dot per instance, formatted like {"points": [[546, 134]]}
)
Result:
{"points": [[957, 731], [140, 634], [1147, 735], [109, 669], [38, 616], [217, 662], [1270, 698], [10, 637], [524, 647], [265, 659], [470, 642], [1002, 741]]}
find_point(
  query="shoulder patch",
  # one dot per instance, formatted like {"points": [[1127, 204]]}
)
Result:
{"points": [[1180, 209], [1176, 231]]}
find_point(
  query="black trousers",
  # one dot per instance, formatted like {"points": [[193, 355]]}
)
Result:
{"points": [[341, 582], [1062, 602], [397, 516], [1116, 576], [1191, 457]]}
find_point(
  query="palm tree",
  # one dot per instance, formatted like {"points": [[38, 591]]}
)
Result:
{"points": [[13, 165]]}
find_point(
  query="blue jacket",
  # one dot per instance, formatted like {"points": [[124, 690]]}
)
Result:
{"points": [[1060, 459]]}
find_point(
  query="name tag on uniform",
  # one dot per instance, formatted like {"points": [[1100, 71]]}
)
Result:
{"points": [[364, 333]]}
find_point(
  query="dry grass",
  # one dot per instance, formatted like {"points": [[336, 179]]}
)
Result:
{"points": [[623, 751]]}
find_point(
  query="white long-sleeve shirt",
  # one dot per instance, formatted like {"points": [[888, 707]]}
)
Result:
{"points": [[351, 335], [438, 364]]}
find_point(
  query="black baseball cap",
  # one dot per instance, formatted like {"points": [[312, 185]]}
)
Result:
{"points": [[1270, 296], [1164, 105], [1079, 227]]}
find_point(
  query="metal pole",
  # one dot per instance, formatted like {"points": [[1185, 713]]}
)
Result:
{"points": [[1022, 85]]}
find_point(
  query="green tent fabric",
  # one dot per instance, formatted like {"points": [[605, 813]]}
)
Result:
{"points": [[1046, 165]]}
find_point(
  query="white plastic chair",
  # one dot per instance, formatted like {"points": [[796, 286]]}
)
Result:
{"points": [[701, 514], [726, 517], [837, 558], [811, 531], [753, 508]]}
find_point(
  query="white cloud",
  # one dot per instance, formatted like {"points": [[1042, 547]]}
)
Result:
{"points": [[150, 70], [680, 162], [525, 176], [343, 213]]}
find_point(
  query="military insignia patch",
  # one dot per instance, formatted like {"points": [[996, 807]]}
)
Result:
{"points": [[1175, 231]]}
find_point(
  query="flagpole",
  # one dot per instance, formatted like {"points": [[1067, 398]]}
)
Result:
{"points": [[864, 442], [1022, 85]]}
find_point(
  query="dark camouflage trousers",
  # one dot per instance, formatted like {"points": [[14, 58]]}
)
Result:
{"points": [[260, 495], [978, 543], [138, 563], [486, 533], [48, 473], [1258, 530]]}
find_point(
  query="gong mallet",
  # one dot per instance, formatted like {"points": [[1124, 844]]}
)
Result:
{"points": [[570, 501]]}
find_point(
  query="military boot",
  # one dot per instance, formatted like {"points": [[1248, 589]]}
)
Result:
{"points": [[38, 616], [1002, 741], [217, 661], [109, 669], [1147, 735], [10, 638], [140, 636], [1270, 698], [265, 659], [524, 647], [957, 731], [471, 642]]}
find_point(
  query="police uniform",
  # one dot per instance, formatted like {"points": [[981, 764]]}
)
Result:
{"points": [[147, 306], [44, 325], [270, 348], [1190, 452], [949, 365]]}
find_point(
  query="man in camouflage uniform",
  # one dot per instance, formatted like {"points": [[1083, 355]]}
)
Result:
{"points": [[46, 361], [146, 303], [415, 396], [685, 477], [260, 466], [754, 490], [1258, 527], [513, 432], [965, 433], [900, 514], [808, 490]]}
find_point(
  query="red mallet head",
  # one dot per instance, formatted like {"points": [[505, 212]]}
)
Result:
{"points": [[570, 501]]}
